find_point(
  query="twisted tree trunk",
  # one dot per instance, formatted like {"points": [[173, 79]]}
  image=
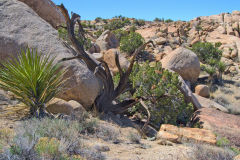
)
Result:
{"points": [[104, 102]]}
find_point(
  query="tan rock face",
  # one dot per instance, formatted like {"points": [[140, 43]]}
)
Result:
{"points": [[148, 33], [223, 124], [237, 157], [202, 90], [181, 134], [47, 10], [184, 62], [109, 58]]}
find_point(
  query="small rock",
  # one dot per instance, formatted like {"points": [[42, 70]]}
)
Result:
{"points": [[57, 106], [202, 90]]}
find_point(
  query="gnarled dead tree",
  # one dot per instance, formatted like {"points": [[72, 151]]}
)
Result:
{"points": [[104, 102]]}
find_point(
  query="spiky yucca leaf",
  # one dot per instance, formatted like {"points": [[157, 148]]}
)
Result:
{"points": [[33, 78]]}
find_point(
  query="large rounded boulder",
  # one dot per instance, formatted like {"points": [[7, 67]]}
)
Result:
{"points": [[184, 62], [21, 27], [47, 10]]}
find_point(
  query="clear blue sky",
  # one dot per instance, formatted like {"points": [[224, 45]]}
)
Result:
{"points": [[149, 9]]}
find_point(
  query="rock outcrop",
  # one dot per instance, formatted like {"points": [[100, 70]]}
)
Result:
{"points": [[21, 27], [183, 134], [223, 124], [107, 41]]}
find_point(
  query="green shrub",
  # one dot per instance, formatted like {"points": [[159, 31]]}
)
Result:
{"points": [[139, 22], [98, 19], [134, 137], [131, 42], [117, 24], [119, 33], [33, 78], [160, 89], [157, 20], [53, 139], [223, 142], [48, 148], [168, 20], [206, 52], [133, 28], [98, 33], [210, 55]]}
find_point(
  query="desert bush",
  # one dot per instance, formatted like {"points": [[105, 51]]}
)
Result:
{"points": [[98, 19], [206, 52], [117, 24], [131, 42], [166, 102], [48, 148], [119, 33], [139, 22], [33, 78], [133, 28], [158, 19], [203, 152], [160, 89], [52, 139], [134, 137], [223, 142], [168, 20], [107, 133], [210, 55], [98, 33]]}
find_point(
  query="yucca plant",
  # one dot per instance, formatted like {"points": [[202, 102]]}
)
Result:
{"points": [[33, 78]]}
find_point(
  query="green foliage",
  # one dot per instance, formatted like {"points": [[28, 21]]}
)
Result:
{"points": [[119, 33], [48, 148], [160, 89], [33, 78], [139, 22], [54, 139], [157, 20], [235, 150], [166, 102], [168, 20], [117, 23], [221, 142], [98, 19], [131, 42], [206, 51], [133, 28], [62, 32], [210, 55], [98, 33]]}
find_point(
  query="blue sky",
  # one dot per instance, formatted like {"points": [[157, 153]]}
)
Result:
{"points": [[149, 9]]}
